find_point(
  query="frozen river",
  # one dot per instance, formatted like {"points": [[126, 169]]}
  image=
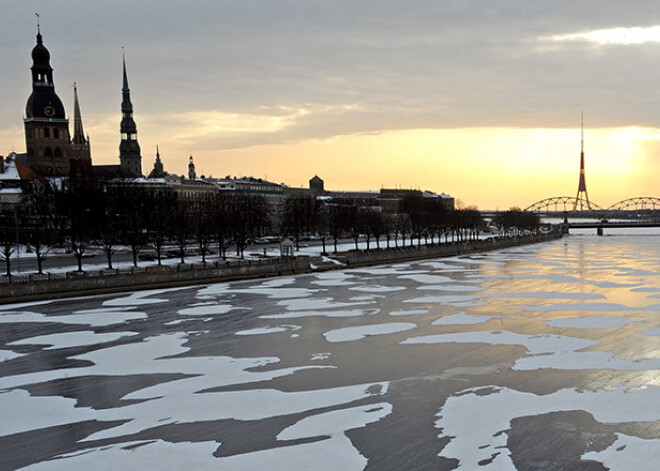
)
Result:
{"points": [[540, 357]]}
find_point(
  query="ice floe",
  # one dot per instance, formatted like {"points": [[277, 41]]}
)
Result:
{"points": [[269, 330], [143, 455], [329, 428], [451, 287], [474, 419], [6, 355], [139, 298], [593, 307], [308, 304], [448, 299], [628, 453], [461, 318], [22, 412], [377, 288], [546, 350], [94, 318], [321, 313], [72, 339], [427, 279], [253, 404], [589, 322], [347, 334], [207, 310], [411, 312]]}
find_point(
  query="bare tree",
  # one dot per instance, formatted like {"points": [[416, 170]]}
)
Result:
{"points": [[8, 236]]}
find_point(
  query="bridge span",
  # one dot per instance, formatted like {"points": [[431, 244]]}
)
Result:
{"points": [[600, 226]]}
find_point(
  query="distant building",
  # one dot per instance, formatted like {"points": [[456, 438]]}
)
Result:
{"points": [[273, 193], [159, 170], [399, 194], [316, 185], [15, 180], [191, 169]]}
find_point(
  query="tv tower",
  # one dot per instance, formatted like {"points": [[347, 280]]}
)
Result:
{"points": [[582, 198]]}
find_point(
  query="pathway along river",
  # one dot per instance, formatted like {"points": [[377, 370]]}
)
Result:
{"points": [[538, 357]]}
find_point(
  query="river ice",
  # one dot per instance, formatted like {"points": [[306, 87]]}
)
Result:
{"points": [[428, 365]]}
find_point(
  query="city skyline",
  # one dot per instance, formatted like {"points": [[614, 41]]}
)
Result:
{"points": [[477, 100]]}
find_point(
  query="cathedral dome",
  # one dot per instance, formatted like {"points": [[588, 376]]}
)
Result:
{"points": [[43, 103], [40, 54]]}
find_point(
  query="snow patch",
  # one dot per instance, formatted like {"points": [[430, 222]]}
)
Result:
{"points": [[628, 453], [338, 313], [72, 339], [411, 312], [474, 420], [377, 288], [269, 330], [589, 322], [461, 319], [348, 334], [206, 310], [426, 279]]}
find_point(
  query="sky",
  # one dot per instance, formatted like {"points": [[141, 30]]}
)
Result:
{"points": [[480, 99]]}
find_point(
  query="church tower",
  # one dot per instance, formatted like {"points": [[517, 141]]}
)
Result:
{"points": [[192, 175], [79, 144], [159, 169], [46, 127], [129, 149]]}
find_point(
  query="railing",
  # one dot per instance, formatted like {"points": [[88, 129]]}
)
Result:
{"points": [[46, 277]]}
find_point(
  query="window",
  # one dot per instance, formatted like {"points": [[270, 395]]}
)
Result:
{"points": [[58, 153], [46, 132], [56, 133], [48, 152]]}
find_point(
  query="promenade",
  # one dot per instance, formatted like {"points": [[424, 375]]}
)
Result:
{"points": [[22, 288]]}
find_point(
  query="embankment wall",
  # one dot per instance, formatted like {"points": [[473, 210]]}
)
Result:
{"points": [[51, 287]]}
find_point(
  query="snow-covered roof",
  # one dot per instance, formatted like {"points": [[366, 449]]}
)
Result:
{"points": [[14, 170]]}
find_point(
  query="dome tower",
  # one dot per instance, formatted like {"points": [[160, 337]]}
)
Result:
{"points": [[46, 127]]}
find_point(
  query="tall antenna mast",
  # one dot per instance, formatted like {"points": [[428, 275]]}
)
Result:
{"points": [[582, 198]]}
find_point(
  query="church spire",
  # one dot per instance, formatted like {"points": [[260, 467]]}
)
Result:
{"points": [[78, 133], [126, 105], [129, 148]]}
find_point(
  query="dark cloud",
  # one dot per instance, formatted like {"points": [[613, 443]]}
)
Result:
{"points": [[402, 64]]}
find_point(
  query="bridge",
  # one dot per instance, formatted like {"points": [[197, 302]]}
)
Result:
{"points": [[568, 204], [640, 211]]}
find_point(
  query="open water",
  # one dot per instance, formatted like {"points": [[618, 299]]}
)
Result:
{"points": [[539, 357]]}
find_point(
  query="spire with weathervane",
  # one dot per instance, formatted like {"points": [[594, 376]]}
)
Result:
{"points": [[129, 148], [46, 127]]}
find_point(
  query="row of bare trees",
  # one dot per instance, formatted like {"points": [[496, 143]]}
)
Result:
{"points": [[115, 214], [110, 215], [419, 219]]}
